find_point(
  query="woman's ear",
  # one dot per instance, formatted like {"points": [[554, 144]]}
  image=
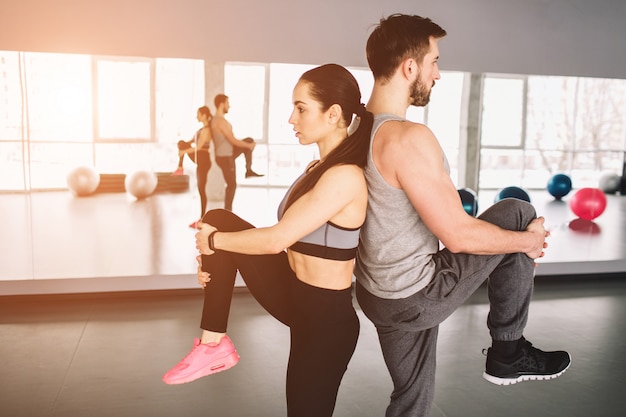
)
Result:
{"points": [[334, 113]]}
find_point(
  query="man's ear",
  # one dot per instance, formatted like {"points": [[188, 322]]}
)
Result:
{"points": [[409, 68]]}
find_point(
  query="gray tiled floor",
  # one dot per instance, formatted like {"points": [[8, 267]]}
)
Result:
{"points": [[103, 355]]}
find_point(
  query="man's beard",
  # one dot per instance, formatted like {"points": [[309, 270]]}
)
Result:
{"points": [[420, 94]]}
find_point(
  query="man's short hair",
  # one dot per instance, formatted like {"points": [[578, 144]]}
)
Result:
{"points": [[219, 99], [397, 38]]}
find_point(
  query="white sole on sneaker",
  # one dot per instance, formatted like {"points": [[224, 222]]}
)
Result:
{"points": [[510, 381]]}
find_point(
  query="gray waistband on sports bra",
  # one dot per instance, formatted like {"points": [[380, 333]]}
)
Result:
{"points": [[329, 242]]}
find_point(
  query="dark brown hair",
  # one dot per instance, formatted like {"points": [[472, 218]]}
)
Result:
{"points": [[206, 111], [333, 84], [219, 99], [397, 38]]}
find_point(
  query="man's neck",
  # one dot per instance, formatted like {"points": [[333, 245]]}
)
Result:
{"points": [[388, 100]]}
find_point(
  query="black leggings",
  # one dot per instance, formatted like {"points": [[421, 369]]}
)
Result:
{"points": [[323, 324], [202, 172]]}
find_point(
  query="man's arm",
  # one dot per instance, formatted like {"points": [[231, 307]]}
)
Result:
{"points": [[224, 127], [410, 157]]}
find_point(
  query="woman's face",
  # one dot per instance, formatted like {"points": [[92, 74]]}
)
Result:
{"points": [[309, 122], [202, 117]]}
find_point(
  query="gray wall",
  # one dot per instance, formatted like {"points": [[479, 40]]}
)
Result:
{"points": [[554, 37]]}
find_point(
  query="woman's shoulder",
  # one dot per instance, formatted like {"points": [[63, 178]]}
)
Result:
{"points": [[345, 175]]}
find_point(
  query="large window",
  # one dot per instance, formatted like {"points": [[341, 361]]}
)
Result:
{"points": [[58, 111], [536, 126]]}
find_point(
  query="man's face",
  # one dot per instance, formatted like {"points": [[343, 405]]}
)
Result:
{"points": [[226, 106], [426, 76]]}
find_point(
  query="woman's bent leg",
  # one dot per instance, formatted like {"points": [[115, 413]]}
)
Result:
{"points": [[209, 358], [182, 146], [266, 277]]}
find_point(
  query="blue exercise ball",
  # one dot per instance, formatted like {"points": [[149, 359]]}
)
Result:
{"points": [[511, 192], [559, 185], [469, 201]]}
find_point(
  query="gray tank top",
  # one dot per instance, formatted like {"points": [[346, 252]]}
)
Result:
{"points": [[394, 257], [222, 146]]}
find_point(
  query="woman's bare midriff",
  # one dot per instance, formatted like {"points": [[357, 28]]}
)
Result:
{"points": [[322, 273]]}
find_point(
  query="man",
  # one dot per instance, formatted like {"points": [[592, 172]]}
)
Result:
{"points": [[228, 148], [406, 285]]}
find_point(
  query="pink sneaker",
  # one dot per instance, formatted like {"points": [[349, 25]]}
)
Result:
{"points": [[194, 225], [179, 171], [203, 360]]}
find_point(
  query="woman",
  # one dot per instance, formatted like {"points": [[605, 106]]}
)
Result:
{"points": [[198, 154], [308, 285]]}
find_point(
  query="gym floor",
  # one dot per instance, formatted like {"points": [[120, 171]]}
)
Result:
{"points": [[98, 300]]}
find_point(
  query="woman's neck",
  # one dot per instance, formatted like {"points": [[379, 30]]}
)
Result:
{"points": [[327, 145]]}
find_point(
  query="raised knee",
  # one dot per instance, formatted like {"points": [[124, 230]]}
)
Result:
{"points": [[216, 216], [525, 210]]}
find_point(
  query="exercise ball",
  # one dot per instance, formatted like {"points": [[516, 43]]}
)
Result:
{"points": [[559, 185], [469, 201], [588, 203], [83, 180], [511, 192], [141, 184], [610, 183]]}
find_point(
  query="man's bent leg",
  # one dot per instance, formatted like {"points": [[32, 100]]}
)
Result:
{"points": [[510, 285], [512, 358]]}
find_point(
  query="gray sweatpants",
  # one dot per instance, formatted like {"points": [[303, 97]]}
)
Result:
{"points": [[407, 328]]}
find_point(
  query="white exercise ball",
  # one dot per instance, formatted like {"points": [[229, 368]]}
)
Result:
{"points": [[610, 182], [83, 180], [141, 184]]}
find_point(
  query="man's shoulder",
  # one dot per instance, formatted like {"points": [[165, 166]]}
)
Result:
{"points": [[400, 133], [219, 122]]}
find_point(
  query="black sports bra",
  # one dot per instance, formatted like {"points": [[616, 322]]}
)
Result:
{"points": [[329, 241]]}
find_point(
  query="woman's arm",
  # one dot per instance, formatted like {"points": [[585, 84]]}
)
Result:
{"points": [[204, 137], [330, 199]]}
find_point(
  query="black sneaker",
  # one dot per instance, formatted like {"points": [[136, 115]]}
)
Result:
{"points": [[530, 364], [250, 174]]}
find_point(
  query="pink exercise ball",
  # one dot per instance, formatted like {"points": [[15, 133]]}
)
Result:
{"points": [[588, 203]]}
